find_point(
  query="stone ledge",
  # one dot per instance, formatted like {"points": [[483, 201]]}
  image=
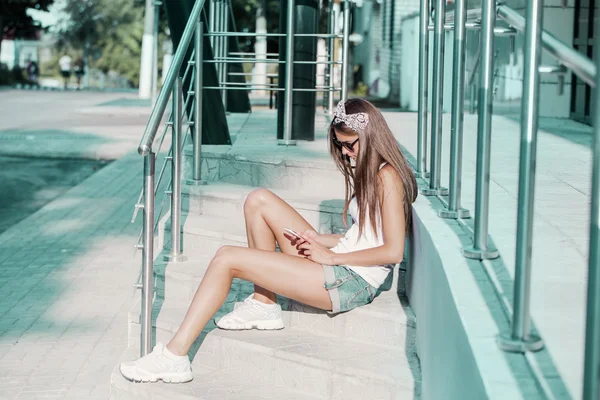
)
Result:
{"points": [[460, 316]]}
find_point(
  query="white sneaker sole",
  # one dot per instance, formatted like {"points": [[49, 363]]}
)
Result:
{"points": [[275, 324], [181, 377]]}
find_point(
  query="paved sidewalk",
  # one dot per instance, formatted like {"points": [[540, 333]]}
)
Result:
{"points": [[66, 271], [66, 286], [69, 125]]}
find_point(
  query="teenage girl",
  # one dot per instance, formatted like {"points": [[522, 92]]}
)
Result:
{"points": [[331, 272]]}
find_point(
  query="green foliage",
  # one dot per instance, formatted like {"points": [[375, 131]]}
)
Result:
{"points": [[14, 21], [109, 31], [244, 12]]}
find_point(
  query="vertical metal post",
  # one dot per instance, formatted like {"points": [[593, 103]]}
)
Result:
{"points": [[147, 256], [345, 48], [332, 66], [198, 66], [455, 210], [328, 95], [591, 369], [435, 169], [211, 24], [421, 169], [175, 255], [219, 41], [472, 98], [146, 63], [224, 48], [289, 77], [480, 248], [519, 339]]}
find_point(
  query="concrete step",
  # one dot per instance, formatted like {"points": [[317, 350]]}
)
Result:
{"points": [[227, 200], [387, 321], [208, 384], [299, 359], [203, 235], [268, 168]]}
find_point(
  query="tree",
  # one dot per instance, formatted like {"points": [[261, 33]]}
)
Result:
{"points": [[110, 29], [245, 13], [14, 21]]}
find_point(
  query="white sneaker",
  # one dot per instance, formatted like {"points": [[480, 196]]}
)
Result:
{"points": [[252, 314], [161, 364]]}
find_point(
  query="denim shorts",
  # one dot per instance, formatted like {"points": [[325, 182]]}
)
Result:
{"points": [[347, 290]]}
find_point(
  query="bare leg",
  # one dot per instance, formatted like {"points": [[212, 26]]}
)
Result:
{"points": [[266, 215], [294, 277]]}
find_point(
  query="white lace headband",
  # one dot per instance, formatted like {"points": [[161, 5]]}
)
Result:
{"points": [[356, 122]]}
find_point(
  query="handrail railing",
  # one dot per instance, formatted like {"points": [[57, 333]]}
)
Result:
{"points": [[173, 85], [581, 66], [520, 338], [145, 146]]}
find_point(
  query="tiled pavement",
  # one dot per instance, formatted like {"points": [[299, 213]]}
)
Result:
{"points": [[66, 286]]}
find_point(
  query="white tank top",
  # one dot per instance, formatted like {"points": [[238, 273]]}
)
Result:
{"points": [[375, 275]]}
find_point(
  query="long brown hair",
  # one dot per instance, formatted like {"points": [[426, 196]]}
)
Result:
{"points": [[377, 145]]}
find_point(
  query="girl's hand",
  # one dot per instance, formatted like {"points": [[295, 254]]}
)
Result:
{"points": [[314, 236], [309, 233], [314, 251]]}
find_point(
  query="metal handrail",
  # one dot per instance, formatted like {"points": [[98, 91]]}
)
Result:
{"points": [[520, 338], [473, 15], [566, 55], [581, 66], [173, 84], [145, 146]]}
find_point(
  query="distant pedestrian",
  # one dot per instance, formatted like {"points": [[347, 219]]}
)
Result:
{"points": [[64, 64], [32, 72], [79, 68]]}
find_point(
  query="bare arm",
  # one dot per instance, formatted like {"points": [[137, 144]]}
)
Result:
{"points": [[391, 192], [330, 240]]}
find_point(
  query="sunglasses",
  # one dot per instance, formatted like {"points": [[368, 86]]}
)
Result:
{"points": [[348, 146]]}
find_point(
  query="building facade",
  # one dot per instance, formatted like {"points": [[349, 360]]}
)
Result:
{"points": [[389, 52]]}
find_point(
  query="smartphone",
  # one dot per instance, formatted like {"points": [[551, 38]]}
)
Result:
{"points": [[292, 232]]}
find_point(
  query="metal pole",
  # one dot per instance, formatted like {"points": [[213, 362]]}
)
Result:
{"points": [[147, 256], [211, 25], [289, 77], [331, 58], [217, 50], [328, 96], [421, 169], [199, 51], [345, 47], [591, 369], [146, 63], [480, 248], [472, 98], [520, 340], [175, 254], [435, 188], [225, 48], [455, 210]]}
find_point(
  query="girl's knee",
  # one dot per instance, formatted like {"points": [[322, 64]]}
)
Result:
{"points": [[257, 199], [223, 257]]}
